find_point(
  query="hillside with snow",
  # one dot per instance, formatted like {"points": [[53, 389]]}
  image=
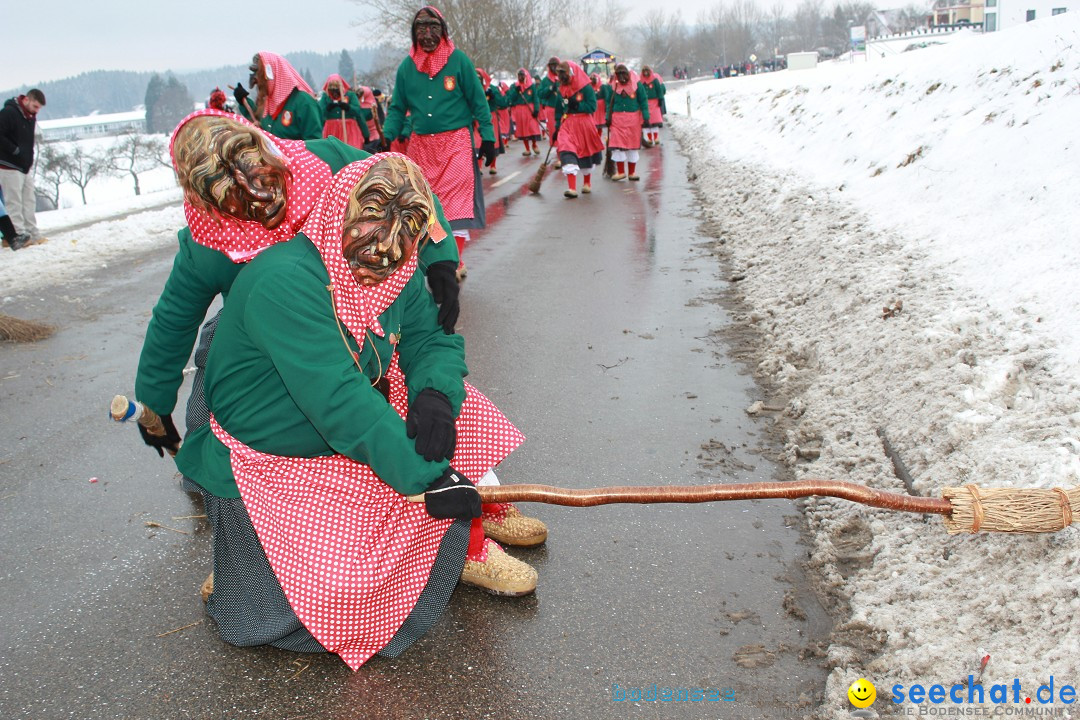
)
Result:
{"points": [[904, 234]]}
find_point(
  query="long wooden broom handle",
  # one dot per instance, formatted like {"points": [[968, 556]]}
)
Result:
{"points": [[589, 497]]}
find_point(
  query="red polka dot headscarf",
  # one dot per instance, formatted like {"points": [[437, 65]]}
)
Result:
{"points": [[242, 240], [281, 80], [358, 306]]}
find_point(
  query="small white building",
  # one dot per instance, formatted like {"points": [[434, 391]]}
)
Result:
{"points": [[1003, 14], [96, 125]]}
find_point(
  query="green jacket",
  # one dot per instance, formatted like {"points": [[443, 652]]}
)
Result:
{"points": [[449, 101], [200, 274], [350, 107], [496, 99], [280, 379], [529, 97], [624, 103], [548, 92], [656, 91], [583, 102], [300, 118]]}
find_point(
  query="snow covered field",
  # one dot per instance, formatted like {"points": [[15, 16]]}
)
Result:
{"points": [[942, 182]]}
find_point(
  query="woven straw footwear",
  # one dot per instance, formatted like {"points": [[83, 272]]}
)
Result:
{"points": [[207, 588], [569, 193], [515, 529], [634, 177], [500, 574], [618, 176], [586, 189]]}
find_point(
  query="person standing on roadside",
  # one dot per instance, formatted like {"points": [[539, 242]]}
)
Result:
{"points": [[18, 121]]}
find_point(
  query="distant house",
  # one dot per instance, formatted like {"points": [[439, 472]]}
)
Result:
{"points": [[1001, 14], [958, 12], [96, 125]]}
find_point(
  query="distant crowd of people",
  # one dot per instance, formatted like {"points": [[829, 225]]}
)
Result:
{"points": [[749, 67]]}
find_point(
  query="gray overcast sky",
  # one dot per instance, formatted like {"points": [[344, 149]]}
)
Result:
{"points": [[52, 39]]}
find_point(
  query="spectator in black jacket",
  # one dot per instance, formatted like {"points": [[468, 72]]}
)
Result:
{"points": [[17, 121]]}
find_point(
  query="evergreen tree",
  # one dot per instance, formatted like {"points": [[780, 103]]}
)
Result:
{"points": [[346, 69], [173, 105], [307, 78], [154, 90]]}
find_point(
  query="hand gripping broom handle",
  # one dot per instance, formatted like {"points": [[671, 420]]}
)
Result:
{"points": [[121, 410], [967, 509]]}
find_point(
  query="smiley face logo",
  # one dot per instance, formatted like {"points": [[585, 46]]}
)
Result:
{"points": [[862, 693]]}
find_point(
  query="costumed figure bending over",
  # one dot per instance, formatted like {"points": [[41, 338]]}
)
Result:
{"points": [[334, 394]]}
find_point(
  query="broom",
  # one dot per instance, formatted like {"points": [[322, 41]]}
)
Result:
{"points": [[966, 509], [609, 164], [534, 184], [13, 329], [121, 410]]}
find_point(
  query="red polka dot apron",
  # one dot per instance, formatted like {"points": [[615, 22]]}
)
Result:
{"points": [[351, 554], [447, 161]]}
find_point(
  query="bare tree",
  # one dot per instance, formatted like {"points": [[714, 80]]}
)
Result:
{"points": [[50, 163], [806, 28], [136, 153], [739, 22], [774, 27], [500, 35], [83, 166], [662, 36]]}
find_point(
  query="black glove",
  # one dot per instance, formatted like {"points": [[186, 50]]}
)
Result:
{"points": [[442, 279], [452, 496], [431, 422], [240, 93], [555, 135], [535, 114], [169, 441], [487, 151], [384, 144]]}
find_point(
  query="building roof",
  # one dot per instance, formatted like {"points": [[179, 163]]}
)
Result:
{"points": [[138, 115]]}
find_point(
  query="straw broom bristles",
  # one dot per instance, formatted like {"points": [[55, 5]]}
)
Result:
{"points": [[15, 330], [534, 184], [1024, 510], [609, 164]]}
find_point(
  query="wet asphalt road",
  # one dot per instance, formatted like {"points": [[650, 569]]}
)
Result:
{"points": [[597, 326]]}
